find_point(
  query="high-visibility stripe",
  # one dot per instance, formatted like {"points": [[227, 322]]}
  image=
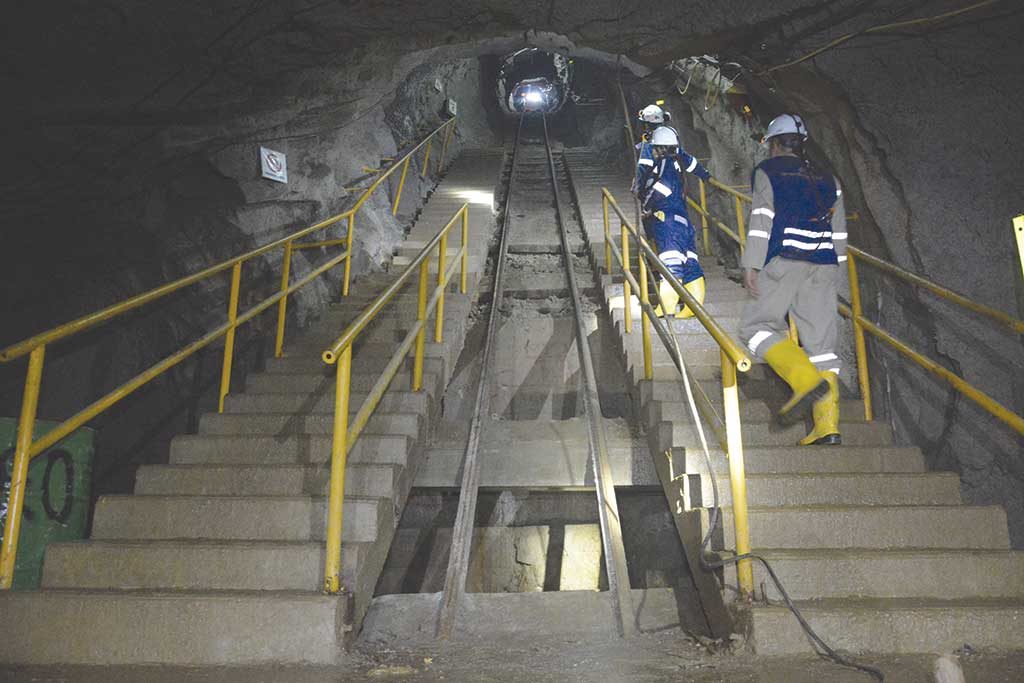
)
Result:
{"points": [[807, 247], [841, 258], [680, 219], [691, 255], [823, 357], [758, 339], [835, 370], [807, 233], [763, 212], [758, 233], [839, 235], [693, 165], [662, 188], [668, 257], [676, 164], [646, 162]]}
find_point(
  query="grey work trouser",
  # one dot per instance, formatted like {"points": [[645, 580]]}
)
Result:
{"points": [[807, 292]]}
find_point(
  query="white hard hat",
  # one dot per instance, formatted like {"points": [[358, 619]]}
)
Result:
{"points": [[785, 124], [664, 137], [652, 113]]}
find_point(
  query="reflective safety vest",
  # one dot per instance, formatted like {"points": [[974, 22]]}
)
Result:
{"points": [[802, 220]]}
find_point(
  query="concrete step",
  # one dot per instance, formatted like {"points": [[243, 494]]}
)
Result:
{"points": [[861, 573], [394, 400], [194, 565], [284, 424], [195, 449], [367, 359], [752, 412], [318, 382], [361, 479], [898, 526], [198, 629], [776, 490], [750, 389], [250, 518], [770, 434], [903, 626], [806, 460]]}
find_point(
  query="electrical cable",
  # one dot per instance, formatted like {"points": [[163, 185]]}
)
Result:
{"points": [[822, 648], [879, 29]]}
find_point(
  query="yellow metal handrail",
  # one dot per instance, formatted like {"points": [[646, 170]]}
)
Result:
{"points": [[862, 325], [340, 355], [733, 359], [35, 346]]}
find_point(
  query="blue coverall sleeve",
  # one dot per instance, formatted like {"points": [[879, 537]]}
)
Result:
{"points": [[691, 165]]}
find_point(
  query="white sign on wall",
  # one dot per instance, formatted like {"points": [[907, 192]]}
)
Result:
{"points": [[274, 165], [453, 108]]}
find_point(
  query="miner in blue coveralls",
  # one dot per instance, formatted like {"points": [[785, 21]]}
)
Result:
{"points": [[651, 117], [660, 189]]}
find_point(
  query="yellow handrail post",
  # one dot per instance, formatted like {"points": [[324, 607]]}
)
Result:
{"points": [[645, 322], [282, 306], [421, 337], [426, 160], [339, 454], [229, 339], [794, 333], [19, 471], [348, 248], [737, 474], [740, 227], [704, 217], [444, 147], [1018, 229], [442, 253], [627, 292], [607, 237], [464, 276], [858, 337], [401, 186]]}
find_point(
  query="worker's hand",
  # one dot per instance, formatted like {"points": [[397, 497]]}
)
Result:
{"points": [[750, 282]]}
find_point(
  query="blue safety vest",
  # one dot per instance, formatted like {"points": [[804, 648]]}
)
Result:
{"points": [[802, 221]]}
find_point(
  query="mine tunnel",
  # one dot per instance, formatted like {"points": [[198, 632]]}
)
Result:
{"points": [[352, 339]]}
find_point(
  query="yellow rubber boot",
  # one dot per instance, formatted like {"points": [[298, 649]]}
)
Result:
{"points": [[697, 289], [792, 365], [669, 299], [826, 416]]}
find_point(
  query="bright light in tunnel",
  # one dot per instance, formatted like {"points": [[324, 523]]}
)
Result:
{"points": [[534, 97], [476, 197]]}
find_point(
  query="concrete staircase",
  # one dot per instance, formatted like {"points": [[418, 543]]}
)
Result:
{"points": [[880, 554], [217, 558]]}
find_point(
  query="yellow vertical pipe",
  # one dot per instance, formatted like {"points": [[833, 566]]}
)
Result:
{"points": [[282, 306], [348, 248], [607, 237], [627, 291], [442, 254], [421, 338], [737, 474], [645, 322], [426, 160], [444, 147], [19, 471], [339, 454], [794, 334], [741, 228], [858, 338], [464, 279], [401, 186], [704, 217], [229, 339], [1018, 229]]}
